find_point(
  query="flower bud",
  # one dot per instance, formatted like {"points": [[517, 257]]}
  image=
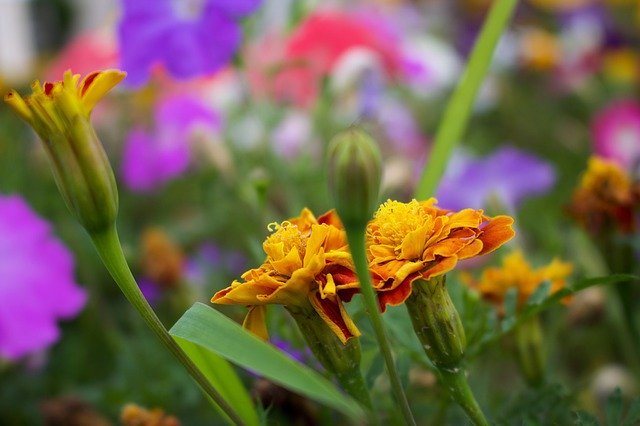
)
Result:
{"points": [[437, 322], [354, 169], [59, 113]]}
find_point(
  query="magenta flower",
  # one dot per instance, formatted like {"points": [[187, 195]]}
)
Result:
{"points": [[616, 133], [509, 175], [189, 38], [151, 159], [37, 286]]}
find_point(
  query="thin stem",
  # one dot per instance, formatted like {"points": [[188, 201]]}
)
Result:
{"points": [[455, 381], [459, 108], [355, 235], [108, 246]]}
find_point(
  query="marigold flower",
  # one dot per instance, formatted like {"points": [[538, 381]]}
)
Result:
{"points": [[308, 262], [408, 241], [516, 272], [605, 197], [59, 113]]}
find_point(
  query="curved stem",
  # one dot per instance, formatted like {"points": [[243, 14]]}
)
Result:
{"points": [[355, 235], [108, 246], [456, 383]]}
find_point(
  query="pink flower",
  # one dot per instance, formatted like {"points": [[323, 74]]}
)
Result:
{"points": [[616, 133], [37, 286]]}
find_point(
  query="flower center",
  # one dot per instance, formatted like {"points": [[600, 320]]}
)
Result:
{"points": [[395, 220], [290, 236]]}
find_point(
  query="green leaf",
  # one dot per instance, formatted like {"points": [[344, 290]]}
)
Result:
{"points": [[613, 409], [585, 419], [539, 294], [213, 331], [224, 378], [633, 415]]}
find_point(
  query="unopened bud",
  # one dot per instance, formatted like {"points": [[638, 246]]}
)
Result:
{"points": [[59, 113], [354, 169]]}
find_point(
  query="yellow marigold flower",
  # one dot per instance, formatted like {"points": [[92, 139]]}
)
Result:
{"points": [[409, 241], [605, 196], [308, 262], [59, 113], [516, 272], [540, 49]]}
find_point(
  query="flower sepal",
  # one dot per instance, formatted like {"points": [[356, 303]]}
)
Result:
{"points": [[437, 322]]}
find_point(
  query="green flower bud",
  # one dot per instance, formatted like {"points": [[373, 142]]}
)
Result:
{"points": [[59, 113], [529, 351], [354, 169], [340, 359], [436, 322]]}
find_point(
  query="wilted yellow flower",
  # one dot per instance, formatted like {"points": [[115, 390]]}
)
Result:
{"points": [[408, 241], [517, 273], [308, 262], [161, 259], [605, 196]]}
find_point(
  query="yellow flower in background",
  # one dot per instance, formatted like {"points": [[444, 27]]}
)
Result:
{"points": [[417, 240], [308, 263], [540, 49], [605, 196], [517, 273]]}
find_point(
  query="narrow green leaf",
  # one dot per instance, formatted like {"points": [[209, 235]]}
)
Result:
{"points": [[459, 108], [633, 415], [210, 329], [222, 375], [539, 294], [613, 409], [586, 419]]}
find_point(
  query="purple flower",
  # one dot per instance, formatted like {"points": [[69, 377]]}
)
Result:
{"points": [[189, 38], [37, 286], [508, 173], [616, 133], [151, 159]]}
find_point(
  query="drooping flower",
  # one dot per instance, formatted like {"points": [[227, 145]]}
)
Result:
{"points": [[37, 286], [509, 174], [517, 273], [308, 263], [59, 112], [188, 38], [151, 160], [616, 133], [606, 198], [418, 240]]}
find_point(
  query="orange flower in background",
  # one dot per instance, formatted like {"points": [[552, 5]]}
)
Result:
{"points": [[605, 197], [417, 240], [308, 262], [516, 272]]}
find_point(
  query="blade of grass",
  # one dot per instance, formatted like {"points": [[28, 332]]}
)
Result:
{"points": [[459, 108]]}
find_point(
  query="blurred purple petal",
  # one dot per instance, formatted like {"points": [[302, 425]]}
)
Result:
{"points": [[187, 43], [508, 173], [37, 286]]}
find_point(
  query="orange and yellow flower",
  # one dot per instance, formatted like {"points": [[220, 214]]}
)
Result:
{"points": [[517, 273], [308, 263], [408, 241], [606, 196]]}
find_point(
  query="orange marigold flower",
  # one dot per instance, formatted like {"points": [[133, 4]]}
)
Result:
{"points": [[605, 197], [308, 262], [516, 272], [408, 241]]}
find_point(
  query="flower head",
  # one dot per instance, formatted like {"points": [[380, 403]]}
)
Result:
{"points": [[308, 262], [37, 286], [616, 133], [59, 113], [508, 173], [605, 197], [188, 38], [517, 273], [408, 241]]}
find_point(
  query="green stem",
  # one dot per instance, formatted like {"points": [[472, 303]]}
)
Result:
{"points": [[529, 351], [356, 237], [455, 381], [459, 108], [108, 246]]}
